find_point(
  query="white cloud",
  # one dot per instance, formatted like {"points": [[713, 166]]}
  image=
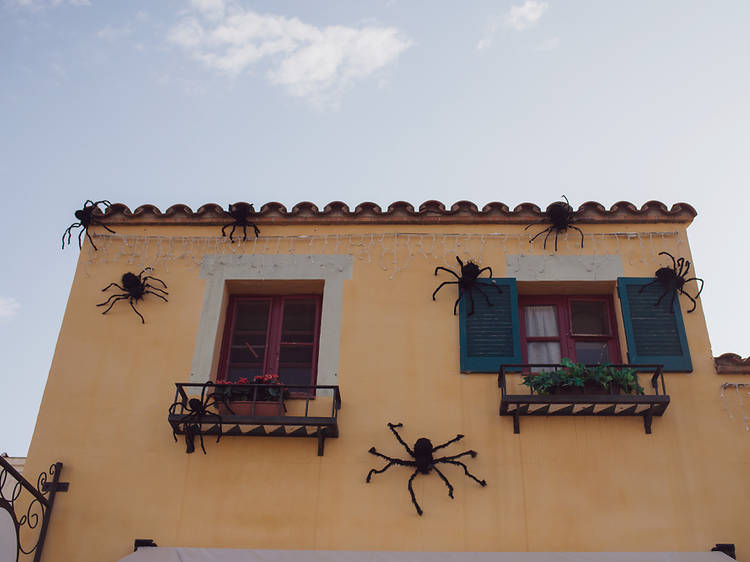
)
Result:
{"points": [[111, 33], [486, 41], [526, 15], [9, 307], [308, 61]]}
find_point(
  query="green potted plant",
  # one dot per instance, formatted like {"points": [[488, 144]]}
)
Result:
{"points": [[263, 397], [575, 378]]}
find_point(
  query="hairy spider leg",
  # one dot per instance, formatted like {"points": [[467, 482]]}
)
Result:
{"points": [[100, 223], [549, 231], [487, 283], [373, 471], [456, 275], [540, 221], [143, 322], [674, 263], [460, 262], [696, 279], [224, 228], [155, 288], [116, 285], [86, 230], [156, 294], [473, 454], [579, 231], [97, 203], [116, 297], [456, 438], [691, 298], [392, 427], [244, 231], [460, 294], [648, 284], [152, 278], [189, 438], [444, 479], [67, 231], [256, 229], [664, 294], [374, 451], [538, 235], [411, 491], [441, 285], [488, 268], [466, 471], [478, 288]]}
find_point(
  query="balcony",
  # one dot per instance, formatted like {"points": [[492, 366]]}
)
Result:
{"points": [[519, 400], [200, 410]]}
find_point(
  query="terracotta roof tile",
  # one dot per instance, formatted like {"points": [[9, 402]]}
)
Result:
{"points": [[400, 212], [732, 364]]}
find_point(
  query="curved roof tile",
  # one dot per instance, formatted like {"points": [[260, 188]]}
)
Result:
{"points": [[429, 212]]}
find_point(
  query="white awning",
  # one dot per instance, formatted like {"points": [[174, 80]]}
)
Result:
{"points": [[161, 554]]}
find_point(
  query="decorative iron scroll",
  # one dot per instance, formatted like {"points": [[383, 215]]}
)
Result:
{"points": [[31, 511]]}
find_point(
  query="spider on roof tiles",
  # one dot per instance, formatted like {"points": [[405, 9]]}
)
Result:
{"points": [[561, 215], [241, 213], [86, 219]]}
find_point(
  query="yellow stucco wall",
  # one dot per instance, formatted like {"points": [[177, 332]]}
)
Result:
{"points": [[578, 484]]}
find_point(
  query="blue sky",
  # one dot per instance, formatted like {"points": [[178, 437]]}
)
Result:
{"points": [[201, 101]]}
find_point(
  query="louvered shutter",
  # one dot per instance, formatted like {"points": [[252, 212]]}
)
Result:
{"points": [[654, 334], [490, 336]]}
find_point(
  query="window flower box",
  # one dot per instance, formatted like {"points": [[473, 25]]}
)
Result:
{"points": [[263, 397]]}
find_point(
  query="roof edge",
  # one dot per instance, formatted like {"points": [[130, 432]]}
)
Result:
{"points": [[400, 212]]}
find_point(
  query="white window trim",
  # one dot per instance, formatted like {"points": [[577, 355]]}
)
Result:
{"points": [[218, 269]]}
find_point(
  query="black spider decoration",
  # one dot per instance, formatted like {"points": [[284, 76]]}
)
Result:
{"points": [[561, 215], [135, 287], [240, 212], [197, 408], [86, 218], [673, 280], [424, 462], [467, 281]]}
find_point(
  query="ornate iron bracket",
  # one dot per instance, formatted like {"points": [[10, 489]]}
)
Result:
{"points": [[26, 513]]}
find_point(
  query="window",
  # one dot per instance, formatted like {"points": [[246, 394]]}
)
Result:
{"points": [[543, 329], [577, 327], [271, 334]]}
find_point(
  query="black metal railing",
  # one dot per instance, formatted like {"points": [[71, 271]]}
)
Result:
{"points": [[237, 410], [653, 402], [29, 512]]}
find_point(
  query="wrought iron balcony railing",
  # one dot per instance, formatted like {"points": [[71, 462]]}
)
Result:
{"points": [[518, 400], [209, 409]]}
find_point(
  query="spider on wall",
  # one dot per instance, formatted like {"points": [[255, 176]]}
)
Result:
{"points": [[467, 281], [673, 280], [241, 213], [562, 216], [135, 287], [424, 462], [86, 219]]}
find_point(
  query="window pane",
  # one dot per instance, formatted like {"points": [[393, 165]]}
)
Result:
{"points": [[544, 352], [541, 321], [297, 337], [592, 352], [248, 345], [589, 317]]}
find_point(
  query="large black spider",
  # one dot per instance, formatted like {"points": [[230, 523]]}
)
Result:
{"points": [[424, 461], [86, 218], [135, 287], [240, 212], [561, 215], [197, 408], [673, 280], [467, 281]]}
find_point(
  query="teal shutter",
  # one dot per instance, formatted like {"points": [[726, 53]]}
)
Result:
{"points": [[654, 334], [491, 335]]}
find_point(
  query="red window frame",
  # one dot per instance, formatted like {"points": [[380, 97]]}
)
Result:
{"points": [[273, 335], [565, 336]]}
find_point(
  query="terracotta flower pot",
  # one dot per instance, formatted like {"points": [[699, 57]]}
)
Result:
{"points": [[245, 408]]}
